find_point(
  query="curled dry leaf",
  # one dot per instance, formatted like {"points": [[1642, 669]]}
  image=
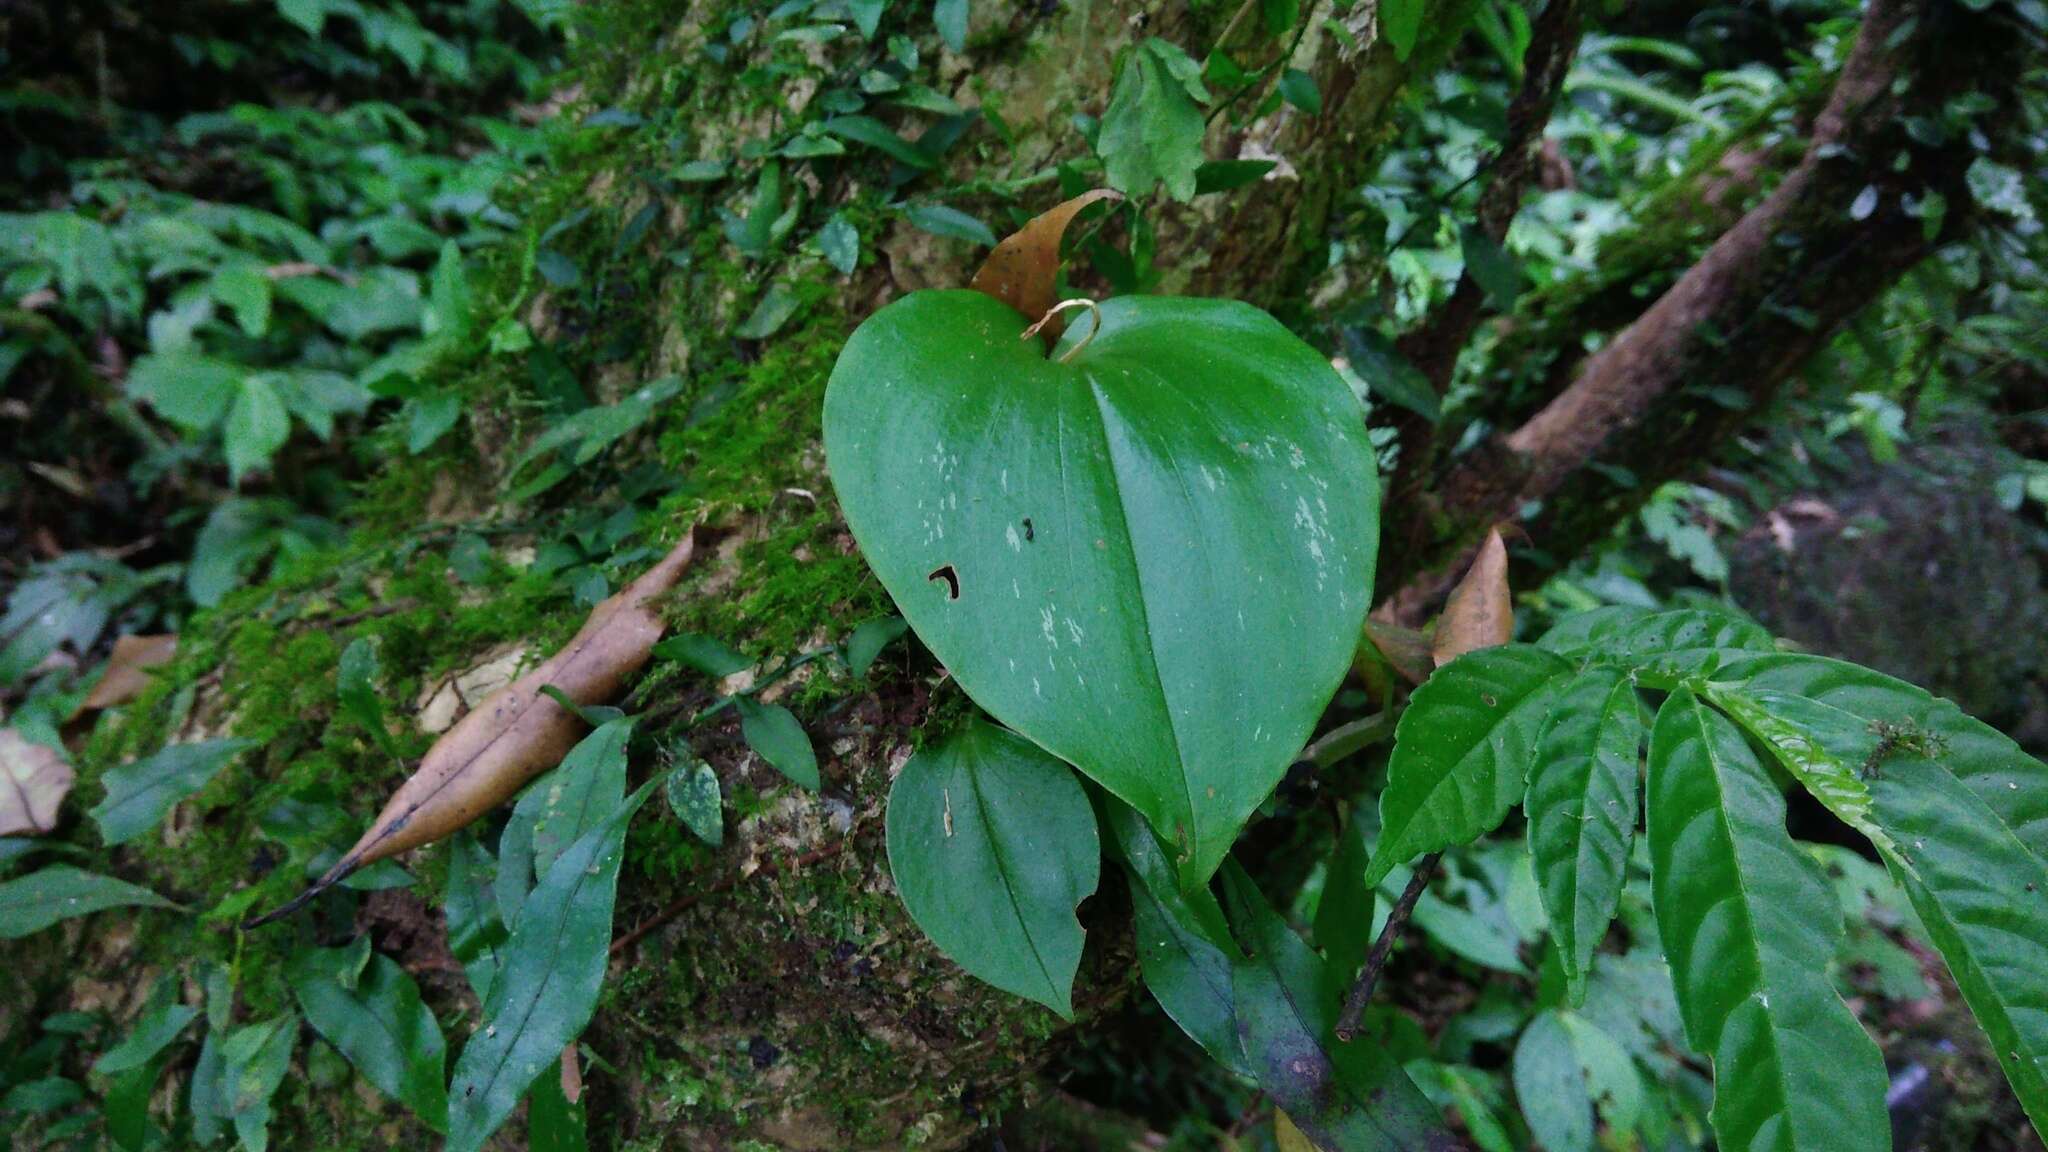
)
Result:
{"points": [[128, 670], [1481, 610], [1024, 269], [517, 733], [33, 783]]}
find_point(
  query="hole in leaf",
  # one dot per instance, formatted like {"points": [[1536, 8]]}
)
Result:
{"points": [[1027, 529], [945, 572]]}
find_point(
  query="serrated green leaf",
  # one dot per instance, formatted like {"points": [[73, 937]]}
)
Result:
{"points": [[1663, 646], [59, 892], [1551, 1086], [1184, 947], [992, 846], [1582, 809], [375, 1018], [774, 732], [547, 990], [2012, 785], [1799, 733], [139, 794], [1152, 130], [1462, 751], [1350, 1096], [1750, 927], [1984, 900], [1074, 545]]}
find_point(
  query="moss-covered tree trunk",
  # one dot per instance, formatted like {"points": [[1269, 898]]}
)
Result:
{"points": [[771, 992]]}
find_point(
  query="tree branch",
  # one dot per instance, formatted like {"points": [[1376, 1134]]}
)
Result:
{"points": [[1767, 294]]}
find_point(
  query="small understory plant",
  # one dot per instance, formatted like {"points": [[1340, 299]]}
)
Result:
{"points": [[1145, 548]]}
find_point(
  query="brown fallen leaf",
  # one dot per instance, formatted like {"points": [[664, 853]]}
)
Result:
{"points": [[515, 734], [1481, 610], [34, 780], [128, 670], [1023, 270]]}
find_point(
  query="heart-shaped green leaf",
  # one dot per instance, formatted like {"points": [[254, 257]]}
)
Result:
{"points": [[992, 846], [1152, 558]]}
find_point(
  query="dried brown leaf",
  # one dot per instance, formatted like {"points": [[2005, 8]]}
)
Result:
{"points": [[518, 732], [1405, 650], [33, 783], [1481, 610], [1024, 269], [128, 670]]}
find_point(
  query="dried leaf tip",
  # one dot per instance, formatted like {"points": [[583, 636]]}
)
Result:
{"points": [[1481, 610], [515, 734], [1023, 271]]}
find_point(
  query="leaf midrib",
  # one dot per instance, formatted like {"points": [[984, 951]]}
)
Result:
{"points": [[1103, 413], [996, 852]]}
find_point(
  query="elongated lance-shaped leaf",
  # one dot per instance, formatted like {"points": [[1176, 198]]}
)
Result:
{"points": [[375, 1018], [475, 932], [1345, 1097], [546, 989], [1582, 811], [1149, 554], [515, 734], [1184, 947], [139, 794], [1800, 733], [1750, 925], [33, 902], [992, 846], [2012, 784], [1984, 899], [1462, 751]]}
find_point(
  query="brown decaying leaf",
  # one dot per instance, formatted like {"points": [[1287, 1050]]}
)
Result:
{"points": [[1481, 610], [1405, 650], [128, 670], [515, 734], [33, 783], [1023, 270]]}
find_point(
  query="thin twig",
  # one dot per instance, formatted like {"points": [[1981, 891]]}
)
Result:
{"points": [[1354, 1004], [724, 883]]}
